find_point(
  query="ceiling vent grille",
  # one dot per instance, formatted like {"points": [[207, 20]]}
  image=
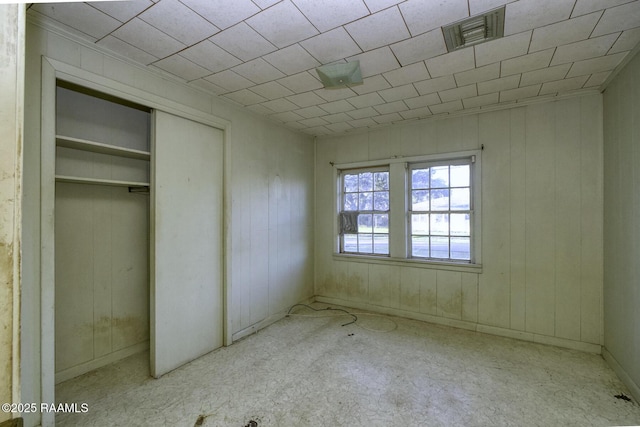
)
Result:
{"points": [[475, 30]]}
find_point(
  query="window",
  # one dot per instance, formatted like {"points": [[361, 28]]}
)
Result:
{"points": [[364, 215], [440, 210], [422, 209]]}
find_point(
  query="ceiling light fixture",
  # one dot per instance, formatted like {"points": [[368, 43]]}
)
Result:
{"points": [[340, 74], [475, 30]]}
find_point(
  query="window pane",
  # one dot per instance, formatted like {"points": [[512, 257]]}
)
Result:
{"points": [[420, 246], [351, 202], [460, 199], [350, 243], [365, 243], [420, 178], [440, 247], [439, 200], [365, 223], [420, 224], [439, 224], [420, 200], [460, 225], [381, 200], [461, 248], [366, 181], [460, 176], [381, 244], [350, 183], [366, 201], [440, 177], [381, 181], [380, 223]]}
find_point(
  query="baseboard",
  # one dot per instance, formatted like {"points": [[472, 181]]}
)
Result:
{"points": [[91, 365], [622, 374], [265, 322], [463, 324]]}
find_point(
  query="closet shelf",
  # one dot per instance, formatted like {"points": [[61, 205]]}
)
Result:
{"points": [[98, 147], [98, 181]]}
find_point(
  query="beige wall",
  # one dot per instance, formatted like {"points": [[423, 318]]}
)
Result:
{"points": [[541, 278], [11, 104], [622, 225]]}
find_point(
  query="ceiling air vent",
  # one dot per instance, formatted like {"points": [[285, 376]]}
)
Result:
{"points": [[474, 30]]}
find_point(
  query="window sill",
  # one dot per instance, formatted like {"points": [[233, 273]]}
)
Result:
{"points": [[417, 263]]}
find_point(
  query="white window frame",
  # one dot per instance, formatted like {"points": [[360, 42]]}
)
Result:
{"points": [[399, 238]]}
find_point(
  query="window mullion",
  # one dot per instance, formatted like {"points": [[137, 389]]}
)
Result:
{"points": [[398, 210]]}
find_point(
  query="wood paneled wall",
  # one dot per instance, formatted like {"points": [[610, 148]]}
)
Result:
{"points": [[542, 205]]}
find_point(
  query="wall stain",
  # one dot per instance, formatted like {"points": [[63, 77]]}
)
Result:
{"points": [[428, 301], [453, 305]]}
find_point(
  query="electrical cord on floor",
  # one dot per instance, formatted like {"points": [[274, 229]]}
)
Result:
{"points": [[346, 313]]}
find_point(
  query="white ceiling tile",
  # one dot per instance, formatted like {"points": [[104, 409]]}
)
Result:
{"points": [[243, 42], [282, 24], [371, 84], [407, 74], [379, 29], [80, 16], [498, 85], [259, 109], [481, 74], [337, 106], [627, 41], [376, 61], [245, 97], [458, 93], [223, 13], [435, 85], [446, 107], [478, 101], [126, 50], [314, 121], [363, 112], [597, 79], [148, 38], [367, 100], [585, 6], [331, 46], [271, 90], [526, 15], [328, 14], [309, 112], [339, 127], [419, 48], [306, 99], [287, 116], [376, 5], [544, 75], [530, 62], [504, 48], [335, 94], [210, 56], [564, 85], [258, 71], [292, 60], [229, 81], [181, 67], [362, 123], [519, 93], [398, 93], [208, 86], [564, 32], [263, 4], [316, 130], [590, 48], [388, 118], [595, 65], [337, 118], [416, 113], [479, 6], [122, 10], [169, 16], [422, 16], [618, 18], [450, 63], [423, 101], [301, 82], [391, 107], [280, 105]]}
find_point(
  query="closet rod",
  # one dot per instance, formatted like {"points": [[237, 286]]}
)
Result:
{"points": [[143, 189]]}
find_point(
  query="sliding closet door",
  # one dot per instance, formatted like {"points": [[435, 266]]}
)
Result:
{"points": [[186, 259]]}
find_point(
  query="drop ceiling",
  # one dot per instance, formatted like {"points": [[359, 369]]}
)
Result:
{"points": [[262, 54]]}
